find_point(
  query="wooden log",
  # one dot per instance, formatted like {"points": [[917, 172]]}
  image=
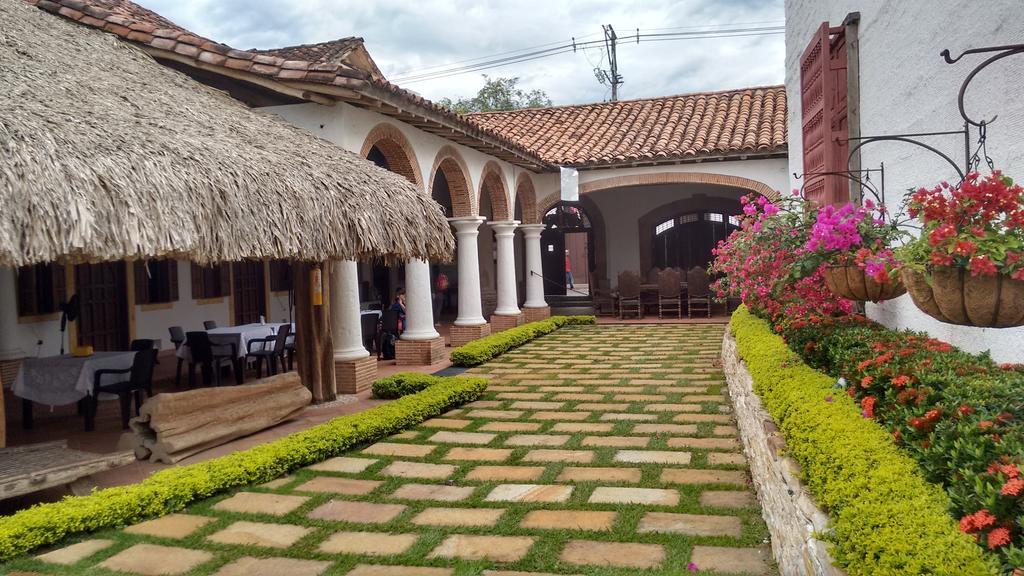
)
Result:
{"points": [[173, 426], [314, 348]]}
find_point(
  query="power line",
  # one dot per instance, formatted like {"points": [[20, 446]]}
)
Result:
{"points": [[495, 55], [519, 56]]}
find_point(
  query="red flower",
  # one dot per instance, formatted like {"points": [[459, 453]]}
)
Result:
{"points": [[1012, 487], [998, 537], [983, 519], [982, 266], [901, 381], [985, 424], [866, 381], [867, 404], [964, 410]]}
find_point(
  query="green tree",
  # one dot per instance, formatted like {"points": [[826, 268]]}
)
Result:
{"points": [[498, 94]]}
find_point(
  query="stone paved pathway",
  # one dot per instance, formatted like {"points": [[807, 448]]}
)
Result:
{"points": [[596, 450]]}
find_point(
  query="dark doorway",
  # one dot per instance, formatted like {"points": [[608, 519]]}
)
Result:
{"points": [[249, 291], [568, 228], [686, 240], [103, 296]]}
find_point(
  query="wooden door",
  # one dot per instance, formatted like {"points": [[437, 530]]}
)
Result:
{"points": [[103, 296], [249, 291], [552, 246]]}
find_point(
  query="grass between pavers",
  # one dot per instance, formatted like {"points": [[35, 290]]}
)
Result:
{"points": [[549, 543], [174, 488]]}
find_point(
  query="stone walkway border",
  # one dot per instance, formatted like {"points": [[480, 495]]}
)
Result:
{"points": [[792, 516]]}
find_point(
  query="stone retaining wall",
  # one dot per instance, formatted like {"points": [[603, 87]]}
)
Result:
{"points": [[789, 510]]}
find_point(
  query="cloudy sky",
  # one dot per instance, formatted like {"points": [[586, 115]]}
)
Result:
{"points": [[411, 36]]}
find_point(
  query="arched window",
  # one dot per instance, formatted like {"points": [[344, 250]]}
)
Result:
{"points": [[686, 240]]}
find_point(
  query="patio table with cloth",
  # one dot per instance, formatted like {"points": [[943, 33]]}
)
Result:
{"points": [[239, 336], [61, 380]]}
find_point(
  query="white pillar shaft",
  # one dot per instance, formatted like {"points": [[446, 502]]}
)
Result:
{"points": [[470, 306], [419, 310], [508, 304], [534, 269], [9, 349], [346, 328]]}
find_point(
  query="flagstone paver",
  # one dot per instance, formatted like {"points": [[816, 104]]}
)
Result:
{"points": [[75, 552], [249, 566], [368, 543], [597, 450], [154, 560], [496, 548], [344, 464], [357, 512], [260, 534], [623, 555], [259, 503], [172, 526], [458, 517]]}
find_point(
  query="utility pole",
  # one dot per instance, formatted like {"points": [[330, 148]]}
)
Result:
{"points": [[612, 76]]}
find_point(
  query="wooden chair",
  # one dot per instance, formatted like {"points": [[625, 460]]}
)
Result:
{"points": [[629, 294], [652, 275], [177, 338], [212, 359], [388, 328], [140, 380], [209, 325], [669, 293], [698, 293], [272, 349], [368, 324], [604, 302]]}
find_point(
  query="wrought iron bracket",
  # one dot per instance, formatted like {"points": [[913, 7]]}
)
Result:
{"points": [[1002, 52], [913, 139]]}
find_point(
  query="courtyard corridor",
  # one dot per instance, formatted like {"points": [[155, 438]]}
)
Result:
{"points": [[599, 450]]}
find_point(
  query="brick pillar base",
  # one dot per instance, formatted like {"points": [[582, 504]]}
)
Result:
{"points": [[354, 376], [419, 352], [8, 370], [501, 322], [465, 334], [535, 314]]}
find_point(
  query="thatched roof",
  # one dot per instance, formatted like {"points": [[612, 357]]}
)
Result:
{"points": [[105, 154]]}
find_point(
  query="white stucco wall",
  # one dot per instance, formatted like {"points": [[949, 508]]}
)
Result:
{"points": [[906, 87]]}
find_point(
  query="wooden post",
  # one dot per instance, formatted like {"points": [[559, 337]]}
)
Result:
{"points": [[314, 348]]}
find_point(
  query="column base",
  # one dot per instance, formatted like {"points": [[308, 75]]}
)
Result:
{"points": [[354, 376], [465, 334], [419, 352], [500, 322], [536, 314]]}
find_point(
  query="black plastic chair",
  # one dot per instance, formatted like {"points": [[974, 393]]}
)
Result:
{"points": [[209, 324], [140, 380], [177, 338], [368, 324], [272, 348], [211, 358]]}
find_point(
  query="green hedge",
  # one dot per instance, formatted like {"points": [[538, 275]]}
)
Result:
{"points": [[172, 489], [403, 384], [479, 351], [887, 519]]}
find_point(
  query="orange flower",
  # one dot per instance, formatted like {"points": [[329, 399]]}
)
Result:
{"points": [[1013, 487], [866, 381], [998, 537]]}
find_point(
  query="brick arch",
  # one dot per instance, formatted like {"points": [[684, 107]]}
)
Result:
{"points": [[396, 149], [681, 178], [492, 183], [526, 197], [451, 164]]}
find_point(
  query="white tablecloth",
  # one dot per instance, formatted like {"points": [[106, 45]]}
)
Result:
{"points": [[240, 336], [60, 380]]}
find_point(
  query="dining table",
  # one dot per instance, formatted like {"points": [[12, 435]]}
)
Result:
{"points": [[65, 379], [236, 336]]}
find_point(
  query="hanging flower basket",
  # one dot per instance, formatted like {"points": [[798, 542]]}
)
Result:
{"points": [[852, 283], [955, 296]]}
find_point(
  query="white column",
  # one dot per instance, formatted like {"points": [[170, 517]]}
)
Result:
{"points": [[534, 272], [470, 306], [419, 311], [9, 349], [507, 300], [346, 328]]}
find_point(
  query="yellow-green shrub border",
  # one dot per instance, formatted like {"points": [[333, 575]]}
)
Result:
{"points": [[173, 489], [887, 519], [479, 351]]}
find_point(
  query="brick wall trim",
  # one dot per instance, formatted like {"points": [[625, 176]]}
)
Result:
{"points": [[492, 183], [396, 148], [526, 198], [453, 166]]}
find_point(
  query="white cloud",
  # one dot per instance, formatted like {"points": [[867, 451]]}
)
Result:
{"points": [[407, 36]]}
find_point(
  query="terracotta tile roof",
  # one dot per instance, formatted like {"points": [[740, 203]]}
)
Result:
{"points": [[333, 51], [711, 124]]}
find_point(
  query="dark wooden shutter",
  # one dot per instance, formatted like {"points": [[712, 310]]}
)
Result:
{"points": [[823, 115], [225, 280], [27, 295], [141, 282], [197, 282], [172, 280], [60, 285]]}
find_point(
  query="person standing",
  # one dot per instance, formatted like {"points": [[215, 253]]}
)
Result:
{"points": [[568, 271], [440, 293]]}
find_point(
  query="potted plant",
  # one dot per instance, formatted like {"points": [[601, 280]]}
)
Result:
{"points": [[967, 266], [852, 245]]}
